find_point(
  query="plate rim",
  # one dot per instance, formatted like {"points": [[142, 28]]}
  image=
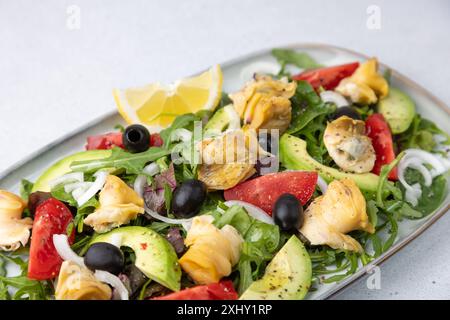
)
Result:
{"points": [[295, 46]]}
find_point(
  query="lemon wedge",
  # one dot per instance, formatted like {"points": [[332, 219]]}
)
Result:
{"points": [[156, 105]]}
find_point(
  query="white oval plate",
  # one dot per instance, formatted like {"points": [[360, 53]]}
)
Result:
{"points": [[428, 105]]}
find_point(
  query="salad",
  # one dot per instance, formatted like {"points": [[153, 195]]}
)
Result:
{"points": [[293, 181]]}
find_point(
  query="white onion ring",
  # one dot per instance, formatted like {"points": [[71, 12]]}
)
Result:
{"points": [[159, 217], [262, 67], [334, 97], [94, 188], [151, 169], [254, 211], [426, 157], [415, 163], [139, 185], [61, 243], [68, 188], [322, 184], [113, 281], [74, 176]]}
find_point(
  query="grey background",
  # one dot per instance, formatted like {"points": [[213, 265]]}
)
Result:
{"points": [[53, 79]]}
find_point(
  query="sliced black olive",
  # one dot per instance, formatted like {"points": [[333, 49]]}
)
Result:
{"points": [[104, 256], [288, 213], [136, 138], [188, 198], [346, 111]]}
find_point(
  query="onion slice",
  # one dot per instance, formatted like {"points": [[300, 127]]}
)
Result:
{"points": [[61, 243], [69, 188], [139, 185], [113, 281], [94, 188], [426, 157], [159, 217], [323, 185], [334, 97], [151, 169], [70, 177], [254, 211]]}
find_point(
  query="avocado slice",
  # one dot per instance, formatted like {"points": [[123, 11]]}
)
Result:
{"points": [[294, 156], [155, 256], [220, 121], [398, 109], [287, 277], [63, 166]]}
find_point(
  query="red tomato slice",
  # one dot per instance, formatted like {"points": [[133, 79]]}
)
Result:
{"points": [[216, 291], [156, 140], [328, 77], [51, 217], [264, 191], [114, 139], [105, 141], [378, 130]]}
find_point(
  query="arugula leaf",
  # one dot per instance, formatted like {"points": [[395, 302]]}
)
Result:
{"points": [[119, 127], [372, 211], [382, 182], [301, 60], [132, 163], [181, 122], [306, 106], [15, 260], [420, 135], [60, 194], [25, 189], [27, 288]]}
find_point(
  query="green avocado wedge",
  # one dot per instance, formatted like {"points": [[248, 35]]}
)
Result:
{"points": [[63, 166], [398, 109], [294, 156], [155, 256], [287, 277]]}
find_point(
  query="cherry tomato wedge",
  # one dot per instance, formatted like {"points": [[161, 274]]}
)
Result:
{"points": [[216, 291], [328, 77], [105, 141], [156, 140], [264, 191], [114, 139], [378, 130], [51, 217]]}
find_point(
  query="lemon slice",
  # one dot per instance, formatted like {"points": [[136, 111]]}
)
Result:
{"points": [[156, 105]]}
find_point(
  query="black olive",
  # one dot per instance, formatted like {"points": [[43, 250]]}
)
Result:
{"points": [[136, 138], [346, 111], [188, 198], [288, 213], [104, 256]]}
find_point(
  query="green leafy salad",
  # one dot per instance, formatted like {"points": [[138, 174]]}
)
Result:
{"points": [[295, 181]]}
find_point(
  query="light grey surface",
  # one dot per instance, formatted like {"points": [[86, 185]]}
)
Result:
{"points": [[54, 79]]}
